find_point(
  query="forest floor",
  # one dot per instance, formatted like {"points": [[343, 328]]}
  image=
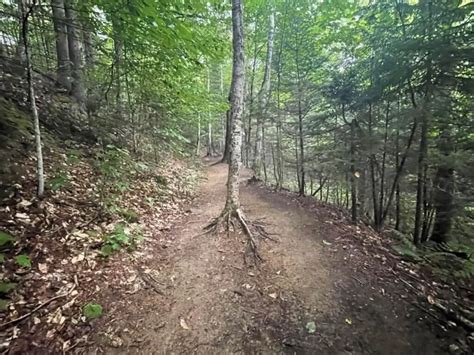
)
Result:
{"points": [[325, 286]]}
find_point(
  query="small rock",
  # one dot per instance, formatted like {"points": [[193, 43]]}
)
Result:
{"points": [[454, 349]]}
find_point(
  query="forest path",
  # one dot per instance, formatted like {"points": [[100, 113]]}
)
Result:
{"points": [[203, 299]]}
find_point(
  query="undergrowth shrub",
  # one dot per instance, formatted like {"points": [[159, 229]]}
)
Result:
{"points": [[123, 237]]}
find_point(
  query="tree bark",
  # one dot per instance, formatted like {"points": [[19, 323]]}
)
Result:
{"points": [[353, 173], [198, 144], [25, 14], [228, 138], [444, 192], [237, 103], [263, 98], [75, 52], [421, 179], [20, 49], [63, 72]]}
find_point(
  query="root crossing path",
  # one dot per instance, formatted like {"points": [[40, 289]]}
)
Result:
{"points": [[318, 291]]}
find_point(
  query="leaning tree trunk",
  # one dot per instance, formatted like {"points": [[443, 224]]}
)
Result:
{"points": [[263, 97], [75, 51], [25, 14], [62, 49]]}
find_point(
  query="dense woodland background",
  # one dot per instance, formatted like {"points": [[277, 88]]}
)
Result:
{"points": [[367, 106]]}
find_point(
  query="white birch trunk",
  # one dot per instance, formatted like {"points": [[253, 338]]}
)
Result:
{"points": [[25, 13], [237, 104]]}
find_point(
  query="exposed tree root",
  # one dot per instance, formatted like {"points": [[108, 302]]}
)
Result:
{"points": [[231, 220]]}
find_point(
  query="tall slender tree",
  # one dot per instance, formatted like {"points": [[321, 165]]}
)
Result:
{"points": [[232, 209], [263, 98]]}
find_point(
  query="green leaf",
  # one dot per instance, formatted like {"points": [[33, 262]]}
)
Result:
{"points": [[6, 239], [4, 304], [6, 287], [2, 258], [23, 260], [106, 250], [92, 310], [311, 327]]}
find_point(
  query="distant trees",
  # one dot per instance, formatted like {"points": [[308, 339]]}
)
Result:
{"points": [[350, 102], [363, 97], [136, 68]]}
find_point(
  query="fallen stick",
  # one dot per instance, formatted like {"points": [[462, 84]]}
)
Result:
{"points": [[27, 315], [453, 315]]}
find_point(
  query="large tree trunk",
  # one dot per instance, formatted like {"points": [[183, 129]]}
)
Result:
{"points": [[237, 104], [63, 73], [263, 98], [75, 51], [444, 193]]}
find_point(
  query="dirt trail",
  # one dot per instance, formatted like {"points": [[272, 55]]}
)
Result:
{"points": [[309, 275]]}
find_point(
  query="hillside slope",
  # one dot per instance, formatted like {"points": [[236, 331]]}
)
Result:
{"points": [[100, 203]]}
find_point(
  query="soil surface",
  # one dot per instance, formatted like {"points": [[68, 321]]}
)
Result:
{"points": [[318, 291]]}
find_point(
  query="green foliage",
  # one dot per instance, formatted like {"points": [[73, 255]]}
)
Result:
{"points": [[114, 163], [466, 271], [129, 215], [58, 181], [6, 240], [161, 180], [6, 287], [408, 251], [15, 123], [23, 261], [4, 304], [73, 156], [92, 311], [2, 258], [116, 172], [122, 237]]}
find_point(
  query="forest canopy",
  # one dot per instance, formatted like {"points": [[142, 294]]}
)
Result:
{"points": [[362, 104]]}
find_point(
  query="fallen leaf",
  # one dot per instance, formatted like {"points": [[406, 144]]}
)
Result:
{"points": [[183, 324], [22, 216], [43, 268], [273, 295], [348, 321]]}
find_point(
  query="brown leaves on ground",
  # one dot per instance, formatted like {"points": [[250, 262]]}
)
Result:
{"points": [[62, 235]]}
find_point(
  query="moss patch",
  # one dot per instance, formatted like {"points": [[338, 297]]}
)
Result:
{"points": [[14, 122]]}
